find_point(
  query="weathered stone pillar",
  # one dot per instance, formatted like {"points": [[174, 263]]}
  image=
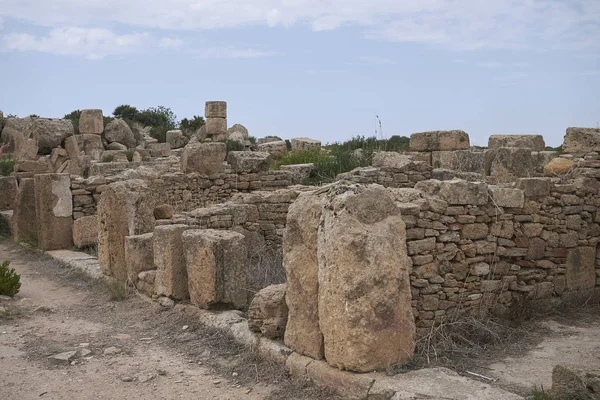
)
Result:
{"points": [[139, 254], [216, 120], [171, 275], [8, 192], [24, 220], [54, 209], [216, 267], [125, 209]]}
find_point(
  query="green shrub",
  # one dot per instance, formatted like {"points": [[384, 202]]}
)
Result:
{"points": [[108, 158], [191, 125], [74, 117], [125, 112], [129, 155], [159, 133], [7, 165], [234, 145], [288, 145], [10, 281], [252, 139]]}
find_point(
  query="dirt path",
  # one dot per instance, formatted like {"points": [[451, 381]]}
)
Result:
{"points": [[123, 350]]}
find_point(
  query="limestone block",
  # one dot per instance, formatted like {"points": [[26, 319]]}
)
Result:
{"points": [[558, 166], [268, 139], [216, 127], [91, 122], [24, 220], [276, 149], [304, 143], [85, 231], [302, 333], [54, 210], [364, 312], [169, 260], [176, 139], [125, 209], [268, 312], [533, 142], [8, 192], [216, 267], [238, 129], [79, 166], [203, 158], [580, 270], [139, 255], [506, 164], [15, 131], [118, 131], [164, 211], [581, 140], [89, 143], [72, 146], [57, 157], [534, 187], [439, 141], [300, 172], [40, 166], [458, 160], [49, 133], [215, 109], [159, 149], [249, 161], [456, 192], [507, 197], [116, 146], [145, 282], [391, 159]]}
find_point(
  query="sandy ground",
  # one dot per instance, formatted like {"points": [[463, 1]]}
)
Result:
{"points": [[152, 353]]}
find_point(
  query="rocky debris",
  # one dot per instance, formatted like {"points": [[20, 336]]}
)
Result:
{"points": [[304, 143], [571, 382], [145, 279], [581, 140], [111, 351], [85, 231], [203, 158], [216, 267], [268, 312], [49, 133], [91, 122], [118, 131], [176, 139], [166, 302], [164, 211], [559, 166], [439, 141], [533, 142], [116, 147], [64, 357], [276, 149], [249, 161]]}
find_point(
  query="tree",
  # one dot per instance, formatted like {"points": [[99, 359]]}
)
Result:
{"points": [[125, 112], [157, 116], [193, 124]]}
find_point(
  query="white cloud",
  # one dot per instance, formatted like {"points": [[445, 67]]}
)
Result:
{"points": [[454, 24]]}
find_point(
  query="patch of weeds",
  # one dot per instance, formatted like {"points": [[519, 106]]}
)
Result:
{"points": [[5, 229], [10, 281], [117, 291], [108, 158], [540, 394], [7, 165], [92, 250], [129, 155]]}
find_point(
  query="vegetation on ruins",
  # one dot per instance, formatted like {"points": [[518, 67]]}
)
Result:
{"points": [[342, 157], [233, 145], [10, 281], [7, 165], [191, 125]]}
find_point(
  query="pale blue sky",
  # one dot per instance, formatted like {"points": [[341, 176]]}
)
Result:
{"points": [[321, 69]]}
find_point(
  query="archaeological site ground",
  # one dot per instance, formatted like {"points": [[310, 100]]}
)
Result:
{"points": [[204, 263]]}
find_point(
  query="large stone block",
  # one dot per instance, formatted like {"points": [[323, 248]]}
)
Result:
{"points": [[49, 133], [456, 192], [90, 144], [8, 192], [507, 197], [439, 141], [216, 128], [302, 333], [216, 267], [91, 122], [304, 143], [391, 159], [249, 161], [118, 131], [506, 164], [16, 132], [276, 149], [159, 149], [534, 187], [125, 209], [139, 255], [203, 158], [169, 259], [558, 166], [176, 139], [268, 312], [215, 109], [85, 231], [458, 160], [580, 268], [581, 140], [533, 142], [24, 220], [365, 311], [54, 209], [237, 131]]}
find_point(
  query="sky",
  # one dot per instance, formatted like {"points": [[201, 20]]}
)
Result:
{"points": [[325, 69]]}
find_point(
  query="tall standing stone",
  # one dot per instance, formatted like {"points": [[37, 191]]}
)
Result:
{"points": [[24, 220], [91, 122], [364, 286], [216, 120], [139, 254], [54, 209], [215, 109], [302, 333], [125, 209], [8, 192], [171, 274], [216, 267]]}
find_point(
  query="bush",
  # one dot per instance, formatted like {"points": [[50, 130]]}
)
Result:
{"points": [[108, 158], [288, 145], [74, 116], [7, 165], [10, 281], [159, 133], [252, 139], [191, 125], [234, 145], [129, 155], [125, 112]]}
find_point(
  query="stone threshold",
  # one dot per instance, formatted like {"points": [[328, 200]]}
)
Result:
{"points": [[427, 383]]}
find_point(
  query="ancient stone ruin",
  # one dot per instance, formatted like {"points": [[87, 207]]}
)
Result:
{"points": [[349, 274]]}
